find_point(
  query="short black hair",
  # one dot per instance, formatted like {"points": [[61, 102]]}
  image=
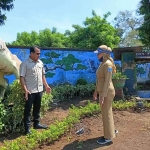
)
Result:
{"points": [[32, 49]]}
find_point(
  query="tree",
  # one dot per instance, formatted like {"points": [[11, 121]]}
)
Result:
{"points": [[127, 24], [96, 31], [5, 5], [144, 29], [45, 38]]}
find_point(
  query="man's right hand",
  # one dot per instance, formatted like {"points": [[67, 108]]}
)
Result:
{"points": [[26, 94]]}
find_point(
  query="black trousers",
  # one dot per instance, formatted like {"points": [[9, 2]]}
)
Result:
{"points": [[35, 100]]}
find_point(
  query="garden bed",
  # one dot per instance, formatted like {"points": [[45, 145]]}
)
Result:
{"points": [[133, 128]]}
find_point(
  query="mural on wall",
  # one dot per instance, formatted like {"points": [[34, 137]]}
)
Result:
{"points": [[66, 63], [143, 69], [65, 66], [143, 72]]}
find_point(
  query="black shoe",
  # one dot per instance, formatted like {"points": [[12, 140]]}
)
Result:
{"points": [[104, 141], [27, 131], [39, 126]]}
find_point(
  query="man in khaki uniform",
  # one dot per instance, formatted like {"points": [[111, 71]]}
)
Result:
{"points": [[32, 79], [106, 91]]}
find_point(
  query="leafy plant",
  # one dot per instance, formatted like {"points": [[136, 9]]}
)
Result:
{"points": [[57, 129], [2, 115], [119, 75], [144, 86], [81, 82], [68, 92], [14, 107], [123, 105], [47, 99]]}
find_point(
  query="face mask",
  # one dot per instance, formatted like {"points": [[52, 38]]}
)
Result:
{"points": [[101, 59]]}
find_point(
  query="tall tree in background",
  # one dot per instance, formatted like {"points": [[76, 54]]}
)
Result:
{"points": [[127, 26], [96, 31], [45, 38], [5, 5], [144, 30]]}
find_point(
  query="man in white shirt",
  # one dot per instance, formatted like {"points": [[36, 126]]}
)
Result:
{"points": [[32, 79]]}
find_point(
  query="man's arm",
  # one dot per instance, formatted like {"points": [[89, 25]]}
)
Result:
{"points": [[22, 72], [48, 89], [44, 81], [22, 81]]}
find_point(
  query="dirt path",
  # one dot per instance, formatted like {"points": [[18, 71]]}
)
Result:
{"points": [[134, 134]]}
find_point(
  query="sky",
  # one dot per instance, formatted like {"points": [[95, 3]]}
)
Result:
{"points": [[36, 15]]}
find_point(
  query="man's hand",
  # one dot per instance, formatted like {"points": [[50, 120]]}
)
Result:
{"points": [[95, 96], [26, 94], [48, 89]]}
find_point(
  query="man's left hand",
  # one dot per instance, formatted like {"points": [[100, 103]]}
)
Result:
{"points": [[48, 89]]}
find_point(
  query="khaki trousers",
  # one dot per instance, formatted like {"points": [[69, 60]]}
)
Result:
{"points": [[107, 115]]}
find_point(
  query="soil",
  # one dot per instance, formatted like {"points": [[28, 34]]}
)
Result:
{"points": [[133, 127]]}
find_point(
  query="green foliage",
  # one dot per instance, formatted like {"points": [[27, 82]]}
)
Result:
{"points": [[81, 81], [96, 31], [144, 10], [5, 5], [14, 103], [119, 75], [2, 115], [59, 128], [45, 38], [67, 92], [55, 130], [126, 25], [123, 105], [144, 85], [47, 99], [14, 106]]}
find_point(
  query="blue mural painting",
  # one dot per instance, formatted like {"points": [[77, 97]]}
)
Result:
{"points": [[64, 66], [143, 72]]}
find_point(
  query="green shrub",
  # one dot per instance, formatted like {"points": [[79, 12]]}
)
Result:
{"points": [[81, 82], [2, 115], [14, 106], [68, 92], [47, 99]]}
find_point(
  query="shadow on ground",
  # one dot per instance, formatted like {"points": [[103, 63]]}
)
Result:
{"points": [[89, 144]]}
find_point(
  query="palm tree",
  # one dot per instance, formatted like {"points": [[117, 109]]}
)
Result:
{"points": [[5, 5]]}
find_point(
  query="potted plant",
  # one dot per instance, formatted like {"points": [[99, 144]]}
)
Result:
{"points": [[118, 80]]}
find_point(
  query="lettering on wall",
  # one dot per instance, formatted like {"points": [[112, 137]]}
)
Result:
{"points": [[145, 54], [145, 49]]}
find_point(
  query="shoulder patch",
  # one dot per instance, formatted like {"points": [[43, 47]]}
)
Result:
{"points": [[109, 69]]}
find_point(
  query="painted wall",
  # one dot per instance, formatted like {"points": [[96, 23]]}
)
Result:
{"points": [[143, 72], [64, 65]]}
